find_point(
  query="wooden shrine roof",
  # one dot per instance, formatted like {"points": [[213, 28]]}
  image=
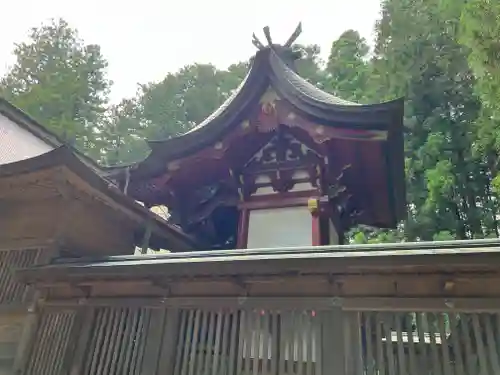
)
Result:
{"points": [[33, 179], [418, 258], [273, 99], [272, 66]]}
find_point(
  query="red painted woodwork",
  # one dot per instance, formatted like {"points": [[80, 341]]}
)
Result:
{"points": [[316, 230], [278, 133]]}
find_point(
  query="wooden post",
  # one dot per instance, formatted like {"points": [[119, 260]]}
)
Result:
{"points": [[332, 342], [85, 320], [353, 349], [27, 340], [313, 205], [147, 235], [169, 340], [155, 336]]}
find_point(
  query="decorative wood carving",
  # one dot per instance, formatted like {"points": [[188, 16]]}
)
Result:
{"points": [[280, 160], [345, 212]]}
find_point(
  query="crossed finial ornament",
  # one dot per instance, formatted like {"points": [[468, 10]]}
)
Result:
{"points": [[257, 43]]}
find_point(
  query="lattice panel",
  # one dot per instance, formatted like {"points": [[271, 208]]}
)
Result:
{"points": [[247, 342], [12, 291], [117, 341], [50, 343], [430, 344], [11, 328]]}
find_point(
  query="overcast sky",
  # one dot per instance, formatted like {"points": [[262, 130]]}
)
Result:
{"points": [[144, 40]]}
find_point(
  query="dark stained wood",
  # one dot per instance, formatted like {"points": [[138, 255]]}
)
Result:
{"points": [[84, 321], [12, 292], [387, 285], [179, 323], [169, 341], [51, 343], [456, 304]]}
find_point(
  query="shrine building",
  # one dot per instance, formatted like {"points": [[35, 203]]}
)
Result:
{"points": [[280, 164], [259, 278]]}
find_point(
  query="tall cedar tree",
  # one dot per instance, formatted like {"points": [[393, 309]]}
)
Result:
{"points": [[61, 82]]}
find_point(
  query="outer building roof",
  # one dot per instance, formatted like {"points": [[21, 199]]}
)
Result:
{"points": [[25, 121], [63, 159], [333, 259], [28, 123]]}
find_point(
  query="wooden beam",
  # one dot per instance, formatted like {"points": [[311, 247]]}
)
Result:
{"points": [[147, 235], [422, 304], [213, 302], [325, 302], [27, 244]]}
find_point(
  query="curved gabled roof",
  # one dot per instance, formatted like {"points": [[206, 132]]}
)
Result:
{"points": [[271, 66], [325, 107]]}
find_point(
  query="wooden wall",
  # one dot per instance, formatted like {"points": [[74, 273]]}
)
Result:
{"points": [[34, 222], [84, 225], [95, 229], [255, 337], [15, 301]]}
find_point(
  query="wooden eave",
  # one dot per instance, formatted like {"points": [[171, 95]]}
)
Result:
{"points": [[62, 165], [445, 258]]}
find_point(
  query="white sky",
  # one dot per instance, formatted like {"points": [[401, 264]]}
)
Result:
{"points": [[144, 40]]}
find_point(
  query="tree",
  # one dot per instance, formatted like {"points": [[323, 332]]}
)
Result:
{"points": [[480, 32], [123, 135], [184, 99], [418, 55], [61, 82], [348, 67], [310, 64]]}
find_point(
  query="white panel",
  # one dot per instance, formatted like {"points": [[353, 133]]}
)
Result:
{"points": [[280, 227], [302, 186], [17, 143]]}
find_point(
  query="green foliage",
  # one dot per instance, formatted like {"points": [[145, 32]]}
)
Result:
{"points": [[184, 99], [418, 55], [480, 32], [348, 67], [61, 82]]}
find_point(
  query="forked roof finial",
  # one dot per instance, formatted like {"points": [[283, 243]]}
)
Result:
{"points": [[267, 33], [294, 36]]}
